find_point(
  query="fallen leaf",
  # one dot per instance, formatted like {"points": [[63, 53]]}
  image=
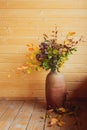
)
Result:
{"points": [[62, 109], [60, 123], [53, 121]]}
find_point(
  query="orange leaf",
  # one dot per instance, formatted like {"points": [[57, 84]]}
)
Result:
{"points": [[71, 33], [31, 49]]}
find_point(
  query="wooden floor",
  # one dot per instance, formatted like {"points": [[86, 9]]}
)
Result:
{"points": [[30, 115]]}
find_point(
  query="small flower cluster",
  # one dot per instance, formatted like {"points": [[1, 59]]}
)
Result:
{"points": [[49, 54]]}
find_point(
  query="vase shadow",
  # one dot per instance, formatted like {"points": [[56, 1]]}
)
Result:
{"points": [[80, 93]]}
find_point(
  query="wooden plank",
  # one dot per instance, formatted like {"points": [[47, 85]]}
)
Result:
{"points": [[22, 98], [23, 116], [13, 49], [16, 85], [72, 68], [46, 4], [38, 32], [27, 78], [20, 91], [10, 114], [3, 106], [36, 121], [31, 23], [45, 13]]}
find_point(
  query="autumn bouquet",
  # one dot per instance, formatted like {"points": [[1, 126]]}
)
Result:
{"points": [[49, 54]]}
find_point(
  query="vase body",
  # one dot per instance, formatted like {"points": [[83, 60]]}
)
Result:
{"points": [[55, 90]]}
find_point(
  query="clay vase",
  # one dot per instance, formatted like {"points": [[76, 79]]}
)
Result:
{"points": [[55, 90]]}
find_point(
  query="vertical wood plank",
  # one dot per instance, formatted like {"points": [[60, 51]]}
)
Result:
{"points": [[4, 106], [23, 116], [37, 122], [10, 114]]}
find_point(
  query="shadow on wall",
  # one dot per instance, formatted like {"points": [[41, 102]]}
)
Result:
{"points": [[81, 92]]}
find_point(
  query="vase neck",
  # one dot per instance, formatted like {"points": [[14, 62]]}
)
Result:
{"points": [[54, 71]]}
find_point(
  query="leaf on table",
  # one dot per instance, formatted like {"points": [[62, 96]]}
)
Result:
{"points": [[61, 123], [53, 121], [62, 109]]}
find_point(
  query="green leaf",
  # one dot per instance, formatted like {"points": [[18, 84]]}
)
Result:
{"points": [[49, 56], [46, 65], [55, 52]]}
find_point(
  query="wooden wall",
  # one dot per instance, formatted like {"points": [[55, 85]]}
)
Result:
{"points": [[24, 21]]}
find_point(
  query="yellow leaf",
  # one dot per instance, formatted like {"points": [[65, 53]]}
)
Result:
{"points": [[32, 57], [62, 109], [28, 71], [30, 45], [53, 121], [66, 41]]}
